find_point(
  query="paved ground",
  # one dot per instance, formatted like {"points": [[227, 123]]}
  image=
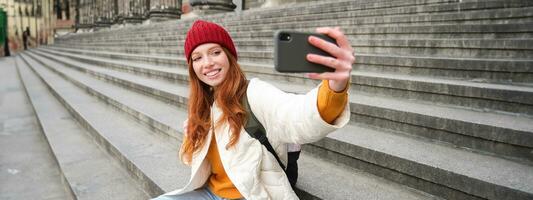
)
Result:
{"points": [[27, 169]]}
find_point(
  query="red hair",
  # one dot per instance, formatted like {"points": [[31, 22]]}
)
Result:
{"points": [[227, 96]]}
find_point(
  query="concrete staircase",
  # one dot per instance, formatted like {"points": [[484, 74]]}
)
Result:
{"points": [[441, 99]]}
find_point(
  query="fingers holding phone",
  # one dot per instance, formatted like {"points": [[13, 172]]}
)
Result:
{"points": [[325, 55], [341, 58], [291, 49]]}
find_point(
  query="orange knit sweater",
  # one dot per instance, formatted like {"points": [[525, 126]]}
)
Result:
{"points": [[330, 106]]}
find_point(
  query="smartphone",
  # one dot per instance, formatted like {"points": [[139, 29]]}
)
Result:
{"points": [[291, 49]]}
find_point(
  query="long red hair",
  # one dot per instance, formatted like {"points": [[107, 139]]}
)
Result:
{"points": [[228, 97]]}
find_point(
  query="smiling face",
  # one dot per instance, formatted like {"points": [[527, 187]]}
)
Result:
{"points": [[210, 63]]}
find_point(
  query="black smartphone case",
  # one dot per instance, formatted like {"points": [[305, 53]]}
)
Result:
{"points": [[290, 55]]}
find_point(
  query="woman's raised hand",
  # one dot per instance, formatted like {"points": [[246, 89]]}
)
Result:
{"points": [[342, 60]]}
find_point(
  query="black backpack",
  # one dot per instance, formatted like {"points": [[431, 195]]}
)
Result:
{"points": [[256, 130]]}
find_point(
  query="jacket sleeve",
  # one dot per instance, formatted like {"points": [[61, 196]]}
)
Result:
{"points": [[290, 118], [330, 103]]}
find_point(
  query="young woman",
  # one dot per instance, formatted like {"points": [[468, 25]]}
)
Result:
{"points": [[226, 163]]}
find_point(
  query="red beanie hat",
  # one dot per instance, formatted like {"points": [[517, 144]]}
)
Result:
{"points": [[202, 32]]}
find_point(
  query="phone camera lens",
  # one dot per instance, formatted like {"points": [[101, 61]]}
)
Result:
{"points": [[285, 37]]}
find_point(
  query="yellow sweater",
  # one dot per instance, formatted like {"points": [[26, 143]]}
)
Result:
{"points": [[330, 106]]}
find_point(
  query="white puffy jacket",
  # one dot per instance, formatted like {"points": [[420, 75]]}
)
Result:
{"points": [[287, 118]]}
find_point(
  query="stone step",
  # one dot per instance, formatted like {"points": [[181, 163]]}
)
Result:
{"points": [[167, 61], [265, 56], [265, 13], [368, 14], [364, 11], [440, 169], [465, 48], [182, 30], [464, 128], [160, 117], [449, 13], [147, 107], [455, 44], [477, 70], [268, 43], [146, 155], [458, 126], [325, 7], [489, 49], [133, 50], [511, 31], [389, 21], [262, 57], [503, 16], [348, 25], [505, 71], [28, 167], [169, 73], [84, 165], [483, 96], [319, 178], [443, 171], [480, 31], [169, 92], [470, 94], [520, 14]]}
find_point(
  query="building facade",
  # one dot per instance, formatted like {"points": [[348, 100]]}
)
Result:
{"points": [[47, 19], [33, 15], [94, 14]]}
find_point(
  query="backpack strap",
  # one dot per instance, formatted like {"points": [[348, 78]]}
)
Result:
{"points": [[256, 130]]}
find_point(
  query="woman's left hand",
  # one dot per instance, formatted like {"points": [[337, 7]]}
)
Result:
{"points": [[342, 60]]}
